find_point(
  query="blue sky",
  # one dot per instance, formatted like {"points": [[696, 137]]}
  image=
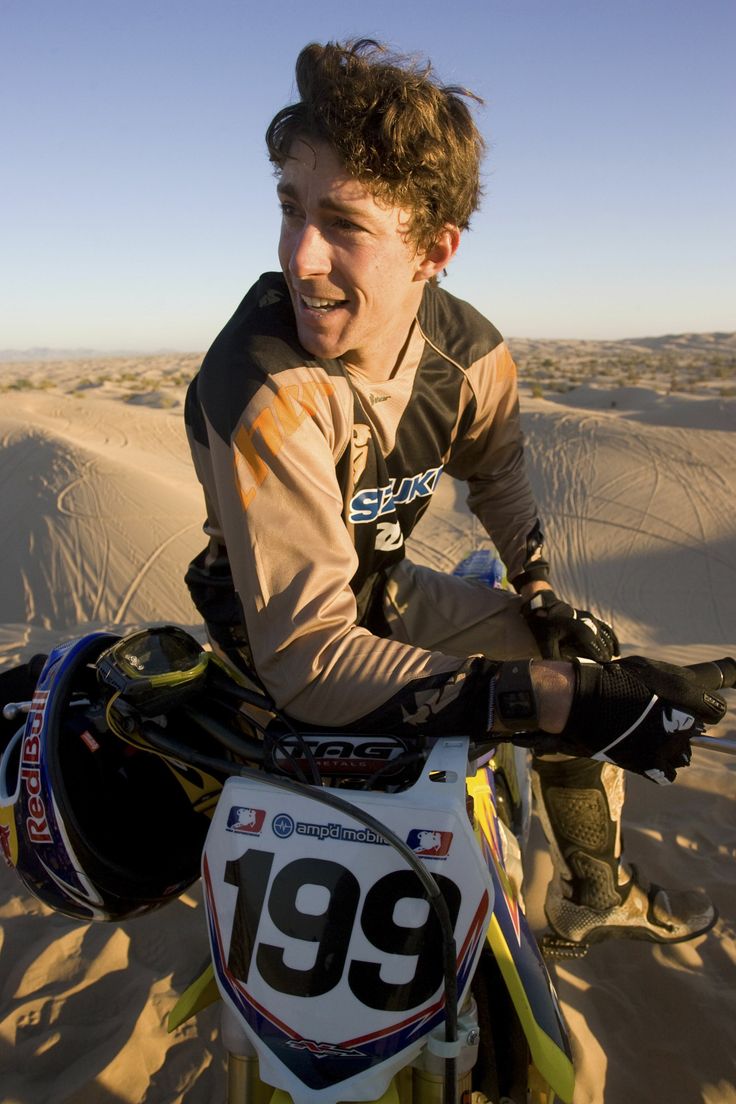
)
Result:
{"points": [[138, 205]]}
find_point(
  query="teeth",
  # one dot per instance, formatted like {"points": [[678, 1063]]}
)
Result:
{"points": [[320, 303]]}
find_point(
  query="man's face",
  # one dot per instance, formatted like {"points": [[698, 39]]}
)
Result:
{"points": [[355, 280]]}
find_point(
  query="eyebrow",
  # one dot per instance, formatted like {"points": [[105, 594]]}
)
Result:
{"points": [[288, 191]]}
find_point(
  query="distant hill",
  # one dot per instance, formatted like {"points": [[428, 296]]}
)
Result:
{"points": [[685, 343], [42, 353], [688, 362]]}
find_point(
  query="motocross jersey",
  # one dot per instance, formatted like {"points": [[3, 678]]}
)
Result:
{"points": [[314, 477]]}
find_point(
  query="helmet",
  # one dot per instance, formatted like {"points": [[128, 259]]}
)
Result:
{"points": [[96, 828]]}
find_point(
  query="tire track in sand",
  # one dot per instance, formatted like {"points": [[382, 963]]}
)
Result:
{"points": [[146, 567]]}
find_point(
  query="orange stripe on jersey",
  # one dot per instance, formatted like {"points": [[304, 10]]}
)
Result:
{"points": [[273, 425]]}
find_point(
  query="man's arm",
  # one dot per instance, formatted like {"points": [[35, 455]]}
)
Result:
{"points": [[489, 457], [491, 460], [637, 713]]}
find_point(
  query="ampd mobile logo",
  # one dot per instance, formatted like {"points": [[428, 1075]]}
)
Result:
{"points": [[284, 826]]}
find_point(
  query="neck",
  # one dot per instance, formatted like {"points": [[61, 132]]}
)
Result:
{"points": [[384, 362], [381, 368]]}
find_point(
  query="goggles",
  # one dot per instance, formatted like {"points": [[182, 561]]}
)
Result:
{"points": [[154, 669]]}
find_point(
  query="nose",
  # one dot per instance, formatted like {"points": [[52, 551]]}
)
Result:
{"points": [[309, 253]]}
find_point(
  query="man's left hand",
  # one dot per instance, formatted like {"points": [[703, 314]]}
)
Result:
{"points": [[562, 632]]}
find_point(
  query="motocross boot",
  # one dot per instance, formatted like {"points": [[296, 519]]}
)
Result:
{"points": [[594, 893]]}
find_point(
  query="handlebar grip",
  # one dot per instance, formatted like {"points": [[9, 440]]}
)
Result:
{"points": [[717, 674]]}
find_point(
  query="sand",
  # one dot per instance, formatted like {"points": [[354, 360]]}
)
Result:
{"points": [[100, 515]]}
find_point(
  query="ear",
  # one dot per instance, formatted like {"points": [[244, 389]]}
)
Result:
{"points": [[439, 254]]}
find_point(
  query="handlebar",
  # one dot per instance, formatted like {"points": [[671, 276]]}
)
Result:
{"points": [[725, 744], [716, 674]]}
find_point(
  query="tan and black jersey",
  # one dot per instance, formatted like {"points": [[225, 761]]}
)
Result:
{"points": [[314, 477]]}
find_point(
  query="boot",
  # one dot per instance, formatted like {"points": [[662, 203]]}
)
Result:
{"points": [[594, 894]]}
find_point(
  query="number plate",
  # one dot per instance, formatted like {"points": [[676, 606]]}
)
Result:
{"points": [[322, 938]]}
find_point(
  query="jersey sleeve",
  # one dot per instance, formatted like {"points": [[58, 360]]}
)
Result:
{"points": [[489, 456]]}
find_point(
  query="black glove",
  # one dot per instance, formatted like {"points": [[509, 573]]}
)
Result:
{"points": [[562, 632], [639, 714]]}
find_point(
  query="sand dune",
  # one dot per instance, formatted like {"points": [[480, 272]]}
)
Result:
{"points": [[101, 513]]}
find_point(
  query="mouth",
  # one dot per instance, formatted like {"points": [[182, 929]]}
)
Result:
{"points": [[323, 306]]}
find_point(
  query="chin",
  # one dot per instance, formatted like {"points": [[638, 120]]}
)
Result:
{"points": [[324, 349]]}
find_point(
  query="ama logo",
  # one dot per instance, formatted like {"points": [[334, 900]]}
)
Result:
{"points": [[245, 821], [428, 843]]}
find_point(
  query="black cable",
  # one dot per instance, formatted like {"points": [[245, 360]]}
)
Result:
{"points": [[275, 739], [407, 759], [251, 750], [223, 683]]}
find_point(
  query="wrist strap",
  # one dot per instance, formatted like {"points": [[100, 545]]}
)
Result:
{"points": [[515, 699], [538, 573]]}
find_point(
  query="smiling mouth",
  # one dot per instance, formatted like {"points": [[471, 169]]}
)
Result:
{"points": [[319, 304]]}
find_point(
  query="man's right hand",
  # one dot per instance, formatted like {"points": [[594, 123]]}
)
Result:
{"points": [[639, 714]]}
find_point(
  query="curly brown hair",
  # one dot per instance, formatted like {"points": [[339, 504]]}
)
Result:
{"points": [[412, 141]]}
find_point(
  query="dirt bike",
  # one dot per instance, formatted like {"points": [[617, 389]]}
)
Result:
{"points": [[366, 938]]}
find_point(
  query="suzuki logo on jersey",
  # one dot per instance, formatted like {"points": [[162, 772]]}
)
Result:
{"points": [[375, 502], [429, 843], [247, 821], [388, 536]]}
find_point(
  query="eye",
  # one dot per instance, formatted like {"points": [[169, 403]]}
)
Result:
{"points": [[288, 210], [348, 226]]}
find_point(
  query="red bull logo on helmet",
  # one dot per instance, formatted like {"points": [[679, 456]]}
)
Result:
{"points": [[37, 825]]}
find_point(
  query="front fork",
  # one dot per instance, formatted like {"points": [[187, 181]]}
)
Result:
{"points": [[408, 1087], [413, 1085], [244, 1085]]}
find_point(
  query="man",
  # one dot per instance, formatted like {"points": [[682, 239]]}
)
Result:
{"points": [[319, 424]]}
